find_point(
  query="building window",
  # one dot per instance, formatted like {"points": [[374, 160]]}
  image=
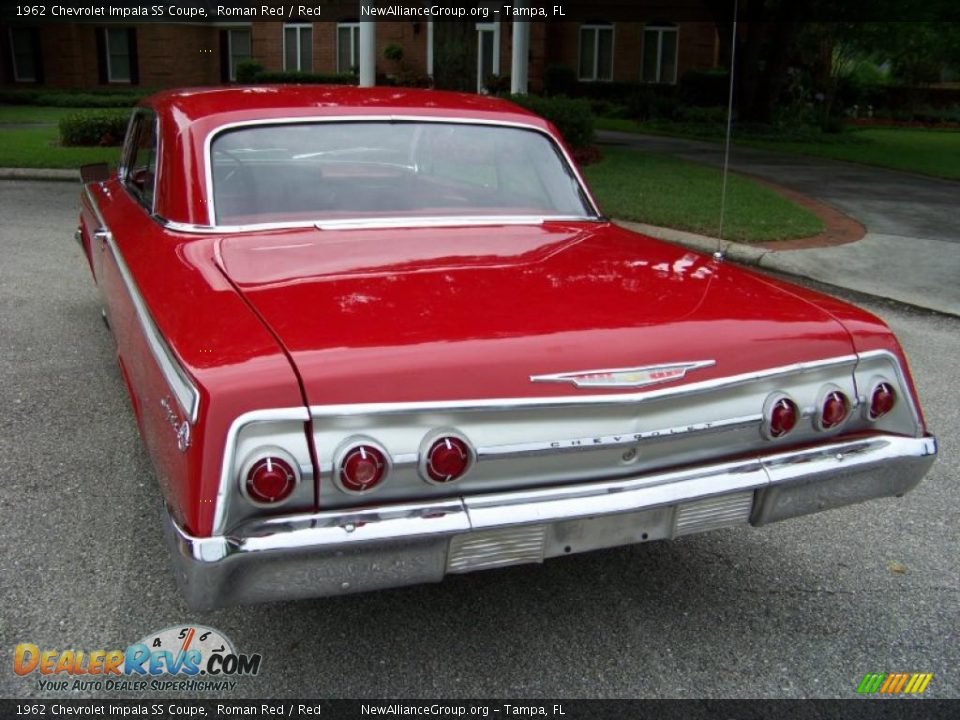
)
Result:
{"points": [[24, 46], [488, 53], [118, 55], [238, 49], [659, 54], [596, 52], [298, 47], [348, 47]]}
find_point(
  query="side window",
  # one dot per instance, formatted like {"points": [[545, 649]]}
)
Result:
{"points": [[140, 158]]}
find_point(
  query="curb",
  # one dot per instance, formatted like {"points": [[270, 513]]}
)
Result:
{"points": [[54, 174], [738, 252], [761, 258]]}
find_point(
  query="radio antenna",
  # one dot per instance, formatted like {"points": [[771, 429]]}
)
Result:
{"points": [[721, 247]]}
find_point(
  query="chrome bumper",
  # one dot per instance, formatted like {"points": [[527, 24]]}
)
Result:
{"points": [[331, 553]]}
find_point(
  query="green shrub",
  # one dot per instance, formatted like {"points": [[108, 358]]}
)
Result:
{"points": [[572, 117], [74, 98], [393, 52], [497, 84], [641, 103], [290, 77], [705, 88], [247, 71], [103, 128], [704, 115], [559, 80]]}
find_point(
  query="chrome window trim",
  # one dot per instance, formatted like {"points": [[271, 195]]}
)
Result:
{"points": [[125, 159], [320, 411], [213, 134], [374, 223], [186, 393]]}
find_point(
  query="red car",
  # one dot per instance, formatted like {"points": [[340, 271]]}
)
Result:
{"points": [[375, 336]]}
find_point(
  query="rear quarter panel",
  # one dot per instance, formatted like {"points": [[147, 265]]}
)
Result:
{"points": [[229, 356]]}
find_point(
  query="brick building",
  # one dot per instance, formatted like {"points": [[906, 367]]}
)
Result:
{"points": [[161, 55]]}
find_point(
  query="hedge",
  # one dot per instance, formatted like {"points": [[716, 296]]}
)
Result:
{"points": [[284, 78], [251, 71], [73, 98], [572, 117], [94, 128]]}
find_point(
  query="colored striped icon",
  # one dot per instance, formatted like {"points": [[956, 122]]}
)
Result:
{"points": [[894, 683]]}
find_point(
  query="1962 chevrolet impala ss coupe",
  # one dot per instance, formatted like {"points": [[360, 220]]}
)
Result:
{"points": [[372, 337]]}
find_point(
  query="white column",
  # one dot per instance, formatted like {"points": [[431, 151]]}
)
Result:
{"points": [[521, 51], [368, 53]]}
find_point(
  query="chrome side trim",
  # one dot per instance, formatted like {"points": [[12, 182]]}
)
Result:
{"points": [[226, 470], [320, 411], [208, 142], [186, 393]]}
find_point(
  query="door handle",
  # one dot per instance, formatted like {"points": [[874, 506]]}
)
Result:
{"points": [[101, 235]]}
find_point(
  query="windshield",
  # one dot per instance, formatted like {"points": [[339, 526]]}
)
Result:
{"points": [[358, 170]]}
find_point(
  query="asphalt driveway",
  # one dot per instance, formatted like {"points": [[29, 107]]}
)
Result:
{"points": [[799, 609], [911, 251]]}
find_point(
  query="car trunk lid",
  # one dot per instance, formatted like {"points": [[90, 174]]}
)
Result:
{"points": [[460, 313]]}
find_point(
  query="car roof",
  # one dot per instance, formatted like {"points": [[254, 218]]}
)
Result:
{"points": [[254, 101]]}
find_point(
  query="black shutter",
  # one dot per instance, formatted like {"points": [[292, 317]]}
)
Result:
{"points": [[37, 54], [101, 34], [224, 56], [134, 62]]}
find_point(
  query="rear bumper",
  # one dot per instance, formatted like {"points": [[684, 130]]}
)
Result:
{"points": [[331, 553]]}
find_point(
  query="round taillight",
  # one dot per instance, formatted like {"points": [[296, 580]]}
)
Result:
{"points": [[448, 459], [270, 480], [881, 400], [834, 409], [362, 468], [783, 417]]}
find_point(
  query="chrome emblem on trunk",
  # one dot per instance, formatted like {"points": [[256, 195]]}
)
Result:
{"points": [[625, 377]]}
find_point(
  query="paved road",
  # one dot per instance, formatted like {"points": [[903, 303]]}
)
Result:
{"points": [[911, 251], [800, 609]]}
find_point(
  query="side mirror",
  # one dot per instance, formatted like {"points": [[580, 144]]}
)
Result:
{"points": [[95, 172]]}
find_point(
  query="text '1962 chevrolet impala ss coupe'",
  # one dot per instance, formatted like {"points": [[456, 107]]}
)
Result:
{"points": [[375, 336]]}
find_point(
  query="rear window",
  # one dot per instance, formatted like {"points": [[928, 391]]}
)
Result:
{"points": [[358, 170]]}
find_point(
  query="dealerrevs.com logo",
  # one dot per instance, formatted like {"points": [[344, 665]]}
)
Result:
{"points": [[188, 658]]}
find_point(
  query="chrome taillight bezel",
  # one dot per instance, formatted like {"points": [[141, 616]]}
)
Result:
{"points": [[348, 446], [768, 406], [259, 455], [868, 400], [825, 392], [426, 445]]}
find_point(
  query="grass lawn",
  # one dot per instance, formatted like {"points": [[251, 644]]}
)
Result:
{"points": [[39, 147], [632, 185], [927, 152], [34, 113]]}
